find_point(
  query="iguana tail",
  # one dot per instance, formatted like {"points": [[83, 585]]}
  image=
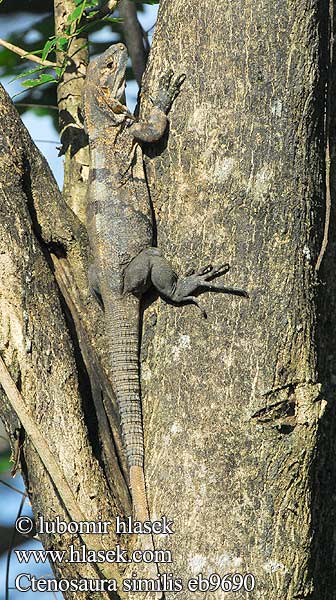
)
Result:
{"points": [[140, 507], [139, 494], [122, 323]]}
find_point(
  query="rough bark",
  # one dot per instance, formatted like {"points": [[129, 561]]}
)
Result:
{"points": [[237, 431], [74, 141], [41, 350]]}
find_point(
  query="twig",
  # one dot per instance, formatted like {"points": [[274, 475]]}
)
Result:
{"points": [[35, 105], [12, 487], [327, 208], [17, 451], [327, 120], [11, 546], [41, 446], [45, 141], [103, 11], [134, 38], [24, 54]]}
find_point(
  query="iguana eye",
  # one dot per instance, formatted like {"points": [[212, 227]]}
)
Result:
{"points": [[111, 65]]}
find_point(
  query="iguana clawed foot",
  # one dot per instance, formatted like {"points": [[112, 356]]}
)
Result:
{"points": [[193, 282], [169, 89], [210, 271]]}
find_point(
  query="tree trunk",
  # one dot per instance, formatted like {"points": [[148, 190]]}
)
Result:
{"points": [[235, 405], [40, 342], [74, 140]]}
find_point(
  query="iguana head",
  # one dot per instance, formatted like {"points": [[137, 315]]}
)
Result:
{"points": [[108, 70], [103, 96]]}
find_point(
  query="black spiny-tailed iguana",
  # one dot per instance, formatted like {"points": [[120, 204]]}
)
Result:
{"points": [[120, 231]]}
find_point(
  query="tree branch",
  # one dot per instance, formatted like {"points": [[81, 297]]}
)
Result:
{"points": [[134, 38], [18, 405], [47, 458], [45, 390], [24, 54], [108, 418], [103, 10]]}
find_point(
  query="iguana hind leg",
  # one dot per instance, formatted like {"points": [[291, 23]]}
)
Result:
{"points": [[151, 267]]}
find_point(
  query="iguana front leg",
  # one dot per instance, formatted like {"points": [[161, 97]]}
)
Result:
{"points": [[153, 128]]}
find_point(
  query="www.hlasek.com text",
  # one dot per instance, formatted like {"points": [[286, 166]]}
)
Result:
{"points": [[82, 554]]}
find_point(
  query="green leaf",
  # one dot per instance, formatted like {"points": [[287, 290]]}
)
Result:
{"points": [[113, 19], [26, 73], [44, 78], [5, 464], [92, 4], [77, 13], [29, 83], [37, 52], [48, 46], [60, 70], [62, 43], [75, 33]]}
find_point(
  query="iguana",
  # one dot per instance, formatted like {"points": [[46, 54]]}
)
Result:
{"points": [[121, 236]]}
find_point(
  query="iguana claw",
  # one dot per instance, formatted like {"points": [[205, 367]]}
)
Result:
{"points": [[169, 89]]}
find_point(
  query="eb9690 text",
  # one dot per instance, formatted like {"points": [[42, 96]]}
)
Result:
{"points": [[231, 582]]}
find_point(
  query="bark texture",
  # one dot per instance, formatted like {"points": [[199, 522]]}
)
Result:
{"points": [[235, 406], [74, 141], [41, 349]]}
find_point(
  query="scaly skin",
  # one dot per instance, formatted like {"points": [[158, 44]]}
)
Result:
{"points": [[120, 231], [120, 227]]}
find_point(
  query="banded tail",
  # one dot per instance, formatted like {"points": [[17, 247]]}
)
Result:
{"points": [[122, 323]]}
